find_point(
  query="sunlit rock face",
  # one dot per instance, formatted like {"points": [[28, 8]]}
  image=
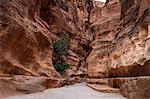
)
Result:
{"points": [[25, 44], [71, 17], [121, 43], [107, 40], [132, 87], [28, 29], [104, 21], [121, 46], [130, 55], [25, 41]]}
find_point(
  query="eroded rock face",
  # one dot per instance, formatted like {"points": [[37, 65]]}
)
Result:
{"points": [[121, 48], [28, 29], [19, 84], [25, 41], [104, 23], [108, 40], [132, 87], [121, 44], [130, 56], [26, 47], [75, 15]]}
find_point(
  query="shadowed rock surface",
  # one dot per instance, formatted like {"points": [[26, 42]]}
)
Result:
{"points": [[106, 40], [28, 29]]}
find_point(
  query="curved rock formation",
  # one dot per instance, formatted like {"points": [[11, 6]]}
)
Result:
{"points": [[106, 40], [121, 44], [130, 56], [28, 29], [26, 46], [104, 23], [25, 41]]}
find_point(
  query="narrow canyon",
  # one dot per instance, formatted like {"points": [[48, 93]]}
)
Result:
{"points": [[48, 44]]}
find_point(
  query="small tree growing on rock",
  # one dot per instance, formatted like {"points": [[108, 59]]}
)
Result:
{"points": [[61, 48]]}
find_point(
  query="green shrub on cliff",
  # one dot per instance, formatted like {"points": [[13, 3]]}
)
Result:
{"points": [[61, 67], [61, 48]]}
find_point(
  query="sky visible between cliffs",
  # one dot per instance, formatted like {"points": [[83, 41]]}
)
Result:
{"points": [[101, 0]]}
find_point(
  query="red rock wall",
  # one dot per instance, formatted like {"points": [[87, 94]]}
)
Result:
{"points": [[28, 29], [26, 47], [25, 41], [121, 39], [75, 15], [106, 40], [104, 23], [131, 49]]}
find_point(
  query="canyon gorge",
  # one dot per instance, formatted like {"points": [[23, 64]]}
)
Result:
{"points": [[109, 45]]}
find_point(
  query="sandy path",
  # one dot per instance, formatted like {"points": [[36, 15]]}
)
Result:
{"points": [[78, 91]]}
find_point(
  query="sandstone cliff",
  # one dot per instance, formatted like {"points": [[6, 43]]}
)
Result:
{"points": [[121, 46], [106, 40], [121, 43], [28, 29], [130, 55], [104, 23]]}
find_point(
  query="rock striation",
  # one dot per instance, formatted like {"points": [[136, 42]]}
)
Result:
{"points": [[104, 22], [28, 29], [121, 46], [106, 40], [25, 41], [132, 87], [130, 55]]}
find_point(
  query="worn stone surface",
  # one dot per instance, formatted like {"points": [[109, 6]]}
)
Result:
{"points": [[125, 47], [25, 41], [133, 87], [104, 88], [28, 29], [19, 84], [121, 44], [130, 55], [77, 91], [104, 23], [107, 40], [97, 81], [26, 46]]}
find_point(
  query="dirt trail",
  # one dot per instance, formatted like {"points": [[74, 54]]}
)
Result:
{"points": [[77, 91]]}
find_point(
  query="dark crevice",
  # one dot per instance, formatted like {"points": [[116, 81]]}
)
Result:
{"points": [[63, 4], [125, 5], [89, 8]]}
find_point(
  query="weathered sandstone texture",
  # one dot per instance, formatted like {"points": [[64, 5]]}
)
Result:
{"points": [[107, 40], [104, 21], [25, 41], [133, 87], [131, 54], [121, 44], [26, 46], [28, 29]]}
